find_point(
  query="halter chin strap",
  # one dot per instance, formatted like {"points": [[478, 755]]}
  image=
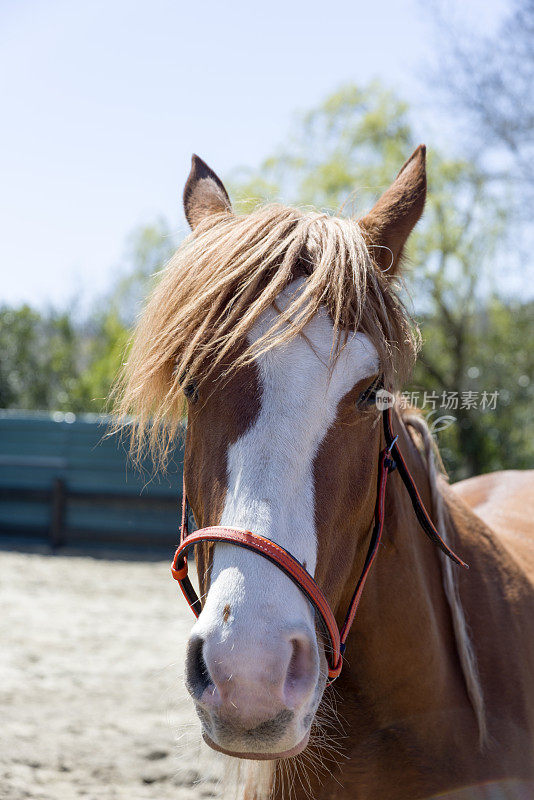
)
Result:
{"points": [[390, 459]]}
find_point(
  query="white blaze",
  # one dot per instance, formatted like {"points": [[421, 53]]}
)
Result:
{"points": [[271, 478]]}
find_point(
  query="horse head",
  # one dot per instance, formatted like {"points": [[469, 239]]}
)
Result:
{"points": [[275, 325]]}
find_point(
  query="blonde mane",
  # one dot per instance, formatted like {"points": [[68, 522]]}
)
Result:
{"points": [[466, 653], [222, 278]]}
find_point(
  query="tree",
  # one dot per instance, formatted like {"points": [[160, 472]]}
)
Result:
{"points": [[148, 249], [39, 356], [489, 79], [59, 360], [106, 332], [341, 156]]}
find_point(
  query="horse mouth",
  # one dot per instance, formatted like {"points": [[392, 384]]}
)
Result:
{"points": [[294, 751]]}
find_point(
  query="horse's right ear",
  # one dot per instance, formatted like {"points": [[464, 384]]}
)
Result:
{"points": [[204, 193]]}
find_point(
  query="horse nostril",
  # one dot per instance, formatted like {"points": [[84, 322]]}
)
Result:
{"points": [[301, 670], [297, 665], [197, 676]]}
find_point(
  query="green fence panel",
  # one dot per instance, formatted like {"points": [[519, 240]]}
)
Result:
{"points": [[66, 478]]}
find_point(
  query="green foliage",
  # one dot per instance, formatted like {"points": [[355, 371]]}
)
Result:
{"points": [[59, 360], [347, 149], [38, 354], [149, 248], [341, 157], [496, 357], [105, 350]]}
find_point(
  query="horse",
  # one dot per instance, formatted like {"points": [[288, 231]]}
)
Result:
{"points": [[280, 330]]}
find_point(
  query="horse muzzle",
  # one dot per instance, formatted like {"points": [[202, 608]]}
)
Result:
{"points": [[255, 701]]}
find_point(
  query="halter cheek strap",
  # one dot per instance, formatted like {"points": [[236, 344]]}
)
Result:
{"points": [[390, 459]]}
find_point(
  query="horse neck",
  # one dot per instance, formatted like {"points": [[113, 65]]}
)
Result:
{"points": [[402, 652]]}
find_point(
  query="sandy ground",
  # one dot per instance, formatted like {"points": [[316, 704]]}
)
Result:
{"points": [[92, 703]]}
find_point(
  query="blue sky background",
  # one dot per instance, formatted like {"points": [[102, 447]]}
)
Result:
{"points": [[104, 102]]}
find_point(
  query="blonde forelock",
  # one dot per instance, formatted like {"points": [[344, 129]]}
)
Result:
{"points": [[219, 282]]}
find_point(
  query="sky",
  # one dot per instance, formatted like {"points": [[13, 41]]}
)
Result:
{"points": [[104, 102]]}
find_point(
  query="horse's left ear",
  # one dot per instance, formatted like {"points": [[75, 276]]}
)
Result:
{"points": [[388, 225], [204, 193]]}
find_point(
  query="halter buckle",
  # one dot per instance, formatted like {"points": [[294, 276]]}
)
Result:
{"points": [[179, 571], [390, 462], [392, 445]]}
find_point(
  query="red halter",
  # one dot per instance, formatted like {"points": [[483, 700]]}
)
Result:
{"points": [[389, 460]]}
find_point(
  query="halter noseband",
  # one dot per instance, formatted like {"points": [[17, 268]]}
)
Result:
{"points": [[390, 459]]}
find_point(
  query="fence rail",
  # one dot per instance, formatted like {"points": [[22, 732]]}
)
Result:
{"points": [[67, 482]]}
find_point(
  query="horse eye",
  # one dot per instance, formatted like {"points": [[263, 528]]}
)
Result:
{"points": [[191, 392], [368, 397], [188, 385]]}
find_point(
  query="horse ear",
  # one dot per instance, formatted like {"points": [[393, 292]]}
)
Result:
{"points": [[388, 225], [204, 193]]}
